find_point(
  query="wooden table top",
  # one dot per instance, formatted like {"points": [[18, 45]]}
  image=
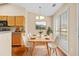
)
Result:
{"points": [[40, 40]]}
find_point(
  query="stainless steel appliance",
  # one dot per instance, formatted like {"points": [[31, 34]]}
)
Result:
{"points": [[3, 23]]}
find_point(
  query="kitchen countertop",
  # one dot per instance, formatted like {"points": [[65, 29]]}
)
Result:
{"points": [[5, 43], [4, 32]]}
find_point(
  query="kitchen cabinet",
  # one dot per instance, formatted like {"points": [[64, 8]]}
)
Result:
{"points": [[3, 17], [14, 20], [0, 17], [16, 38], [19, 20], [11, 20], [18, 48]]}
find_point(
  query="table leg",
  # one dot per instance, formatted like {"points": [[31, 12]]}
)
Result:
{"points": [[49, 51], [47, 48], [33, 49]]}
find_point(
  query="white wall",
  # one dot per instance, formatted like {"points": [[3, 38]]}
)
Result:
{"points": [[31, 22], [5, 43], [11, 10], [78, 29], [26, 14]]}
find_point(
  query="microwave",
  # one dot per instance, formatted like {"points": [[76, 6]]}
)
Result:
{"points": [[3, 23]]}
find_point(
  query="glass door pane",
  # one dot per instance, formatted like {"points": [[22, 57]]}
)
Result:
{"points": [[64, 30]]}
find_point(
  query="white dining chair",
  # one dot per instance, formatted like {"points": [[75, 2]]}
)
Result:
{"points": [[53, 45], [28, 45]]}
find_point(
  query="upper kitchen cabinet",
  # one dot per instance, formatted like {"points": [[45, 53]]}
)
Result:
{"points": [[14, 20], [20, 20], [11, 20], [3, 17], [0, 17]]}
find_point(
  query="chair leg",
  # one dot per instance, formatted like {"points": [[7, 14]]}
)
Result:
{"points": [[26, 49], [30, 51], [55, 52], [49, 51]]}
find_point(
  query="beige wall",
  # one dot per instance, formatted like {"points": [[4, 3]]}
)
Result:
{"points": [[72, 36], [31, 22], [11, 10], [72, 30]]}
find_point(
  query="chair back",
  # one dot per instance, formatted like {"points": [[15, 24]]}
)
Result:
{"points": [[25, 39], [56, 40]]}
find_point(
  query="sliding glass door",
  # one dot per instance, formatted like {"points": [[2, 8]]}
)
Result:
{"points": [[60, 24], [64, 30]]}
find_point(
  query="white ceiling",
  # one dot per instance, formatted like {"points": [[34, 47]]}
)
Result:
{"points": [[45, 10]]}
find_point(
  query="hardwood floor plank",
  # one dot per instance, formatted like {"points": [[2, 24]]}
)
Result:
{"points": [[41, 51]]}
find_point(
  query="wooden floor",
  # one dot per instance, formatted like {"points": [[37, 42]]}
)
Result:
{"points": [[42, 51]]}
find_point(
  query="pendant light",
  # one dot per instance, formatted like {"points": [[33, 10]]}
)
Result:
{"points": [[40, 17]]}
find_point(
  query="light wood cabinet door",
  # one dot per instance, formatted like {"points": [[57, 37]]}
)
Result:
{"points": [[20, 20], [3, 17], [16, 38], [14, 20], [0, 17], [11, 20]]}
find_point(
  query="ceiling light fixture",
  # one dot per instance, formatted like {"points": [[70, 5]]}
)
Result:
{"points": [[53, 5], [39, 17]]}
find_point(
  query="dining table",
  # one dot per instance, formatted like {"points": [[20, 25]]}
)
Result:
{"points": [[34, 42]]}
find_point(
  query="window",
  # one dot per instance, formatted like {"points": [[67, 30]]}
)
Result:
{"points": [[40, 25]]}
